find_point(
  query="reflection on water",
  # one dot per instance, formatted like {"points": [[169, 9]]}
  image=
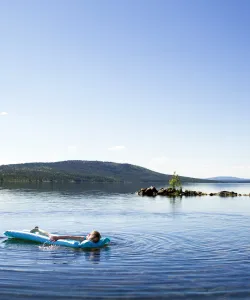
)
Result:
{"points": [[93, 256], [74, 188], [163, 248], [68, 254], [119, 188]]}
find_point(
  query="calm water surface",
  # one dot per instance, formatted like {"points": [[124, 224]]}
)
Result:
{"points": [[189, 248]]}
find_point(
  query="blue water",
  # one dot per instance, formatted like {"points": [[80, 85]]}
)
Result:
{"points": [[189, 248]]}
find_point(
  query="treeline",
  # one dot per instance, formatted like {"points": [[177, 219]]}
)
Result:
{"points": [[45, 174], [80, 171]]}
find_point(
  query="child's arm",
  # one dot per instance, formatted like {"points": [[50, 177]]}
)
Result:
{"points": [[54, 238]]}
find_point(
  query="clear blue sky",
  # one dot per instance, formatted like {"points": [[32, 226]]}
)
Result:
{"points": [[160, 84]]}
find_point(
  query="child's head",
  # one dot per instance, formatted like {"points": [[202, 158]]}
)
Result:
{"points": [[94, 236]]}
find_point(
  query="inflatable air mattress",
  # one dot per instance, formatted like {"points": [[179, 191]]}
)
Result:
{"points": [[26, 235]]}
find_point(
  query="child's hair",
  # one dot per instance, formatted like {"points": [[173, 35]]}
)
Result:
{"points": [[96, 236]]}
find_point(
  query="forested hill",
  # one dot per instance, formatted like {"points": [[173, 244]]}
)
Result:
{"points": [[77, 170]]}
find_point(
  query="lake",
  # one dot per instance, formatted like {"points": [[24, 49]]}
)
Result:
{"points": [[183, 248]]}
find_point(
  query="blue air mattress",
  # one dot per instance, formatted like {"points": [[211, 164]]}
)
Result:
{"points": [[28, 236]]}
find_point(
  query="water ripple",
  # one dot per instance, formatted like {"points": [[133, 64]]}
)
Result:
{"points": [[160, 249]]}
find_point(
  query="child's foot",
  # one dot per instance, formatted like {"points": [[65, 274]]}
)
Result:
{"points": [[34, 230]]}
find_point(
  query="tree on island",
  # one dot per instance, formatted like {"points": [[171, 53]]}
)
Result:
{"points": [[175, 182]]}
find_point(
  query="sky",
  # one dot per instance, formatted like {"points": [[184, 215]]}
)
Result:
{"points": [[162, 84]]}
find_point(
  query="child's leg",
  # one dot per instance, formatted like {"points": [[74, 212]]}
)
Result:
{"points": [[43, 232]]}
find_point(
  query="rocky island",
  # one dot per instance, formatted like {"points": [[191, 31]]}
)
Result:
{"points": [[173, 192]]}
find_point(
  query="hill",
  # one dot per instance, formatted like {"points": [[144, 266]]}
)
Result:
{"points": [[79, 171], [229, 179]]}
